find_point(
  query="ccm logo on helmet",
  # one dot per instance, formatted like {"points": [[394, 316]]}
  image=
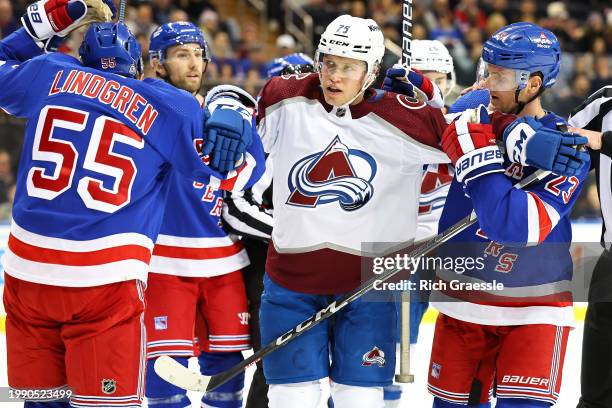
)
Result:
{"points": [[345, 44]]}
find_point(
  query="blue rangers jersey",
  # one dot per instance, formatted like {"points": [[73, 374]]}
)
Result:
{"points": [[521, 241], [93, 175], [192, 241]]}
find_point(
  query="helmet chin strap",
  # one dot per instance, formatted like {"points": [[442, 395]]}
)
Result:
{"points": [[341, 110], [521, 105]]}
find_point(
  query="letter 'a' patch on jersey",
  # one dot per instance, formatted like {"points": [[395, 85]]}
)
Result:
{"points": [[335, 174]]}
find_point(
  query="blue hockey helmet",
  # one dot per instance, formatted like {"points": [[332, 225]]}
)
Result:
{"points": [[526, 48], [111, 47], [297, 63], [177, 33]]}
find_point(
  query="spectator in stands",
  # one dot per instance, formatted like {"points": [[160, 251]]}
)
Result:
{"points": [[285, 45], [527, 12], [468, 14], [495, 21], [7, 20], [223, 56], [581, 89], [358, 8], [178, 15], [602, 73], [161, 11]]}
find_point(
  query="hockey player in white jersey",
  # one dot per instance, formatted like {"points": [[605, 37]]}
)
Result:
{"points": [[347, 170], [195, 268]]}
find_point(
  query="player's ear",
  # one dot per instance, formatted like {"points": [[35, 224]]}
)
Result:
{"points": [[159, 68], [534, 84]]}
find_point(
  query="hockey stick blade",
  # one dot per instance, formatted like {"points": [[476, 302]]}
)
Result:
{"points": [[177, 374]]}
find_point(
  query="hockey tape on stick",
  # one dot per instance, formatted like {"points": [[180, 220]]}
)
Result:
{"points": [[175, 373], [122, 10]]}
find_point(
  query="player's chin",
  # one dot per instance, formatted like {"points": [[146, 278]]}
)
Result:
{"points": [[334, 97]]}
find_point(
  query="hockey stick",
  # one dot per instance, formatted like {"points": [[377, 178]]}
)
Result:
{"points": [[175, 373], [122, 10], [404, 375]]}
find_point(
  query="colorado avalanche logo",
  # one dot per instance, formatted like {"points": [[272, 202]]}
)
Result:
{"points": [[374, 356], [335, 174]]}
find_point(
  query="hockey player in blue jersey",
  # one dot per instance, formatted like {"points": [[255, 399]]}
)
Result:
{"points": [[196, 266], [519, 62], [90, 193]]}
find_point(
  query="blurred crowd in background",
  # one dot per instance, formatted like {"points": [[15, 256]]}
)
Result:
{"points": [[240, 47]]}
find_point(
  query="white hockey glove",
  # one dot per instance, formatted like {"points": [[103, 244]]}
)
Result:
{"points": [[46, 20]]}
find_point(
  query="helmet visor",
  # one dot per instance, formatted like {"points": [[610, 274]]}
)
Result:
{"points": [[496, 78], [346, 68]]}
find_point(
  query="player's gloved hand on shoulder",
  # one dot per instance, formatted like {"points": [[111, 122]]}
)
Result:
{"points": [[529, 142], [400, 80], [228, 127], [470, 144], [46, 20]]}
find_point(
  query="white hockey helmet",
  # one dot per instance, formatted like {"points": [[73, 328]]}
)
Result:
{"points": [[432, 55], [353, 37]]}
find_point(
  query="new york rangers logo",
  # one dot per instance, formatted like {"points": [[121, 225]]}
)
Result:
{"points": [[374, 356], [335, 174]]}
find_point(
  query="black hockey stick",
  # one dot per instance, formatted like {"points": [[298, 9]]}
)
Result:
{"points": [[175, 373], [404, 375]]}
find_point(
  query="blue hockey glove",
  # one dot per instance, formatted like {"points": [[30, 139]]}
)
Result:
{"points": [[401, 80], [45, 20], [470, 100], [228, 128], [529, 142]]}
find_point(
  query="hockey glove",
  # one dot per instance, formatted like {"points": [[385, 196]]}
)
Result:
{"points": [[470, 144], [228, 128], [46, 20], [529, 142], [403, 81]]}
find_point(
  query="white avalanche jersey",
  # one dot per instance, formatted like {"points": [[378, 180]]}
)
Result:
{"points": [[341, 182]]}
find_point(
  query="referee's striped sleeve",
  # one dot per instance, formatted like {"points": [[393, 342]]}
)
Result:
{"points": [[594, 112], [243, 212]]}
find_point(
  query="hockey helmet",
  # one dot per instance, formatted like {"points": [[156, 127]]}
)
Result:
{"points": [[297, 63], [177, 33], [524, 48], [353, 37], [111, 47]]}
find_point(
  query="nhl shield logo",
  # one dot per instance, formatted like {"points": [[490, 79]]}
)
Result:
{"points": [[109, 386], [374, 356]]}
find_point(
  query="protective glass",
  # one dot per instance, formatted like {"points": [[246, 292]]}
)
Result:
{"points": [[352, 70], [496, 78]]}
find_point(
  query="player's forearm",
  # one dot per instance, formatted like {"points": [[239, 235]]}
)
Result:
{"points": [[18, 46]]}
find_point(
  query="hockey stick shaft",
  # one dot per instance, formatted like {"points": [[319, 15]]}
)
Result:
{"points": [[404, 375], [175, 373], [407, 33]]}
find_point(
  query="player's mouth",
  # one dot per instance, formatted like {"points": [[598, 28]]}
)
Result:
{"points": [[333, 90]]}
